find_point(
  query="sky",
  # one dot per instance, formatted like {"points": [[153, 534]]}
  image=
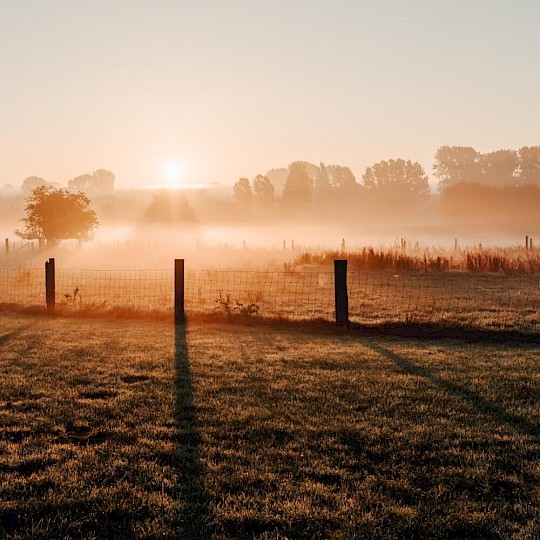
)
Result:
{"points": [[225, 89]]}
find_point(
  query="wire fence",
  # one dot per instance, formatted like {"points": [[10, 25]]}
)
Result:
{"points": [[452, 298]]}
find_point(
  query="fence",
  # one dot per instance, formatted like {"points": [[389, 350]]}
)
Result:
{"points": [[490, 301]]}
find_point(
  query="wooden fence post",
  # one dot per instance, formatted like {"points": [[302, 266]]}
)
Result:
{"points": [[340, 285], [50, 286], [7, 246], [178, 291], [526, 242]]}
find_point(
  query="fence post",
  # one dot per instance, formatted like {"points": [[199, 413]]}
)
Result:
{"points": [[526, 242], [50, 287], [178, 291], [7, 246], [340, 285]]}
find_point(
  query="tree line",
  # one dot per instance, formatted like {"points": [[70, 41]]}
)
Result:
{"points": [[501, 186], [501, 168], [304, 183], [100, 182], [393, 179]]}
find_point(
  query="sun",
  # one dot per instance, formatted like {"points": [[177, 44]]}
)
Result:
{"points": [[174, 173]]}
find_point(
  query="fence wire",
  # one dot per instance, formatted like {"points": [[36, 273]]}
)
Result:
{"points": [[451, 298]]}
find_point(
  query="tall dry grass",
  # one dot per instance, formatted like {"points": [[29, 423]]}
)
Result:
{"points": [[492, 260]]}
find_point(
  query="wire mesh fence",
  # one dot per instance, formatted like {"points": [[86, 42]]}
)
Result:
{"points": [[451, 298]]}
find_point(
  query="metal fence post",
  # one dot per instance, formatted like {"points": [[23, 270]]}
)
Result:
{"points": [[179, 291], [340, 285], [50, 286]]}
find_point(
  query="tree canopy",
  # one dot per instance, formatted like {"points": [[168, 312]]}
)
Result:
{"points": [[170, 207], [500, 168], [263, 191], [529, 165], [30, 183], [341, 178], [242, 191], [298, 187], [57, 214], [100, 182], [397, 179], [455, 164]]}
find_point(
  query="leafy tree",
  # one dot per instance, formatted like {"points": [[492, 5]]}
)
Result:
{"points": [[263, 191], [242, 192], [278, 177], [100, 182], [397, 179], [500, 168], [298, 188], [341, 178], [83, 183], [455, 164], [311, 169], [30, 183], [529, 165], [170, 207], [322, 185], [56, 214]]}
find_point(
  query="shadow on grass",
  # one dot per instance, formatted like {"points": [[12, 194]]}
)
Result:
{"points": [[483, 405], [13, 334], [418, 330], [193, 521]]}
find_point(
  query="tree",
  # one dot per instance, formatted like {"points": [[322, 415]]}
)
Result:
{"points": [[322, 185], [242, 192], [100, 182], [56, 214], [170, 207], [500, 168], [529, 165], [278, 177], [298, 187], [263, 191], [341, 178], [30, 183], [397, 180], [455, 164], [83, 183]]}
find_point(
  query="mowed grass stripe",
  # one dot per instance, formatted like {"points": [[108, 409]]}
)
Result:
{"points": [[135, 430]]}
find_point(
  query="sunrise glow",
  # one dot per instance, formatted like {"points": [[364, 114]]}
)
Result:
{"points": [[174, 174]]}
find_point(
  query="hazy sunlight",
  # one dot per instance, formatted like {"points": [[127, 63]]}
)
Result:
{"points": [[174, 174]]}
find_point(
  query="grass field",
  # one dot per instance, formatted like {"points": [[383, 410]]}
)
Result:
{"points": [[478, 301], [126, 429]]}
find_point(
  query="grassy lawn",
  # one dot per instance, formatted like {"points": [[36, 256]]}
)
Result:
{"points": [[126, 429]]}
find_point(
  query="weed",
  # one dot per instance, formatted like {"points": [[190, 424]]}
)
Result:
{"points": [[248, 310], [72, 298], [225, 304], [245, 310]]}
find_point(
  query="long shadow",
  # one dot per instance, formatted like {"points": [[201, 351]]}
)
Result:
{"points": [[426, 331], [13, 334], [194, 518], [483, 405]]}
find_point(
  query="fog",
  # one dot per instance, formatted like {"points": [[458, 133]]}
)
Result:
{"points": [[267, 220], [227, 237]]}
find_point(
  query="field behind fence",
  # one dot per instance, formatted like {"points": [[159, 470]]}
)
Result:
{"points": [[486, 301]]}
